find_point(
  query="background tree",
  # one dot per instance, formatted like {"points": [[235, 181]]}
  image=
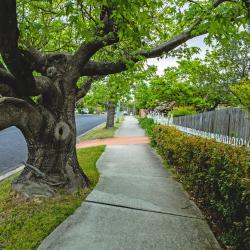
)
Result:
{"points": [[48, 46], [114, 88], [242, 91], [219, 78], [107, 92]]}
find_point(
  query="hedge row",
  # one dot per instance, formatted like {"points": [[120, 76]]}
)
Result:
{"points": [[147, 124], [217, 176]]}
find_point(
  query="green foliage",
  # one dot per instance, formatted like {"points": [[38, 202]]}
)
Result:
{"points": [[148, 124], [217, 176], [242, 91], [116, 87], [183, 110], [110, 89], [61, 25], [192, 83], [24, 224], [201, 83]]}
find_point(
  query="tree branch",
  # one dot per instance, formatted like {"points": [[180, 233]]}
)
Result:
{"points": [[37, 60], [42, 84], [85, 87], [7, 78], [105, 68], [106, 35], [19, 113], [12, 56], [6, 90], [87, 50]]}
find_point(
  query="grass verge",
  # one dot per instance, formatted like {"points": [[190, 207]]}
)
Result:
{"points": [[102, 132], [23, 225]]}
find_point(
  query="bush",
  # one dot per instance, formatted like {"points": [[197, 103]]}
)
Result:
{"points": [[183, 110], [217, 176], [147, 124]]}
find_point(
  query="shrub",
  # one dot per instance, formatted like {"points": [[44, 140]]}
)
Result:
{"points": [[217, 176], [183, 110], [147, 124]]}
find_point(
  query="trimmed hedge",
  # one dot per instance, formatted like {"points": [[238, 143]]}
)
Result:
{"points": [[147, 124], [216, 175]]}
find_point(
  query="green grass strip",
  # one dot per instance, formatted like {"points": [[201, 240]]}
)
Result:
{"points": [[23, 225], [102, 132]]}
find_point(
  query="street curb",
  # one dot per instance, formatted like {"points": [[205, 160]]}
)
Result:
{"points": [[8, 174], [87, 132]]}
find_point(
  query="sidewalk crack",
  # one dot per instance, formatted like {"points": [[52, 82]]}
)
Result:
{"points": [[144, 210]]}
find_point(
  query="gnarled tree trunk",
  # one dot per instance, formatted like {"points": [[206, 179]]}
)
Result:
{"points": [[110, 115], [52, 161], [50, 132]]}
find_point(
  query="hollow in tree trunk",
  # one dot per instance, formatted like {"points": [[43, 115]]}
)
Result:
{"points": [[52, 163]]}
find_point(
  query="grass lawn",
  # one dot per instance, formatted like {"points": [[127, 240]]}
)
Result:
{"points": [[102, 132], [23, 225]]}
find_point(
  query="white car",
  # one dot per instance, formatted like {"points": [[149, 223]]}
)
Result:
{"points": [[85, 111]]}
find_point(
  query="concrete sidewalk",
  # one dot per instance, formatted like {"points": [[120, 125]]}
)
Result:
{"points": [[136, 205]]}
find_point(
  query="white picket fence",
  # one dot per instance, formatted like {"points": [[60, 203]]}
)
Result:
{"points": [[169, 121]]}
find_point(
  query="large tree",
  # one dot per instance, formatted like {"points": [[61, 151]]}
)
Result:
{"points": [[47, 46]]}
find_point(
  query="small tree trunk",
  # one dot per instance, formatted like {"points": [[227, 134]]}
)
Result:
{"points": [[110, 115]]}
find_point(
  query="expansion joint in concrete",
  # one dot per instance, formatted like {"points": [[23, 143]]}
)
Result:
{"points": [[143, 210]]}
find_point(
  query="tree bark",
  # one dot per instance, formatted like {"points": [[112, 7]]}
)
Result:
{"points": [[110, 115], [52, 163]]}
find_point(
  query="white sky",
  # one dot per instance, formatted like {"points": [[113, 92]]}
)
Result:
{"points": [[171, 61]]}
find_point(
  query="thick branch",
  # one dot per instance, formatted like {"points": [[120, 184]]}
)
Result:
{"points": [[19, 113], [43, 84], [106, 35], [86, 51], [12, 56], [36, 59], [7, 78], [6, 90], [105, 68], [172, 43], [85, 87]]}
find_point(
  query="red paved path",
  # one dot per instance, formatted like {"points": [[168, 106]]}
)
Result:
{"points": [[112, 141]]}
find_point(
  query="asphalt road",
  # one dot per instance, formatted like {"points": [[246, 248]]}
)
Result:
{"points": [[13, 149]]}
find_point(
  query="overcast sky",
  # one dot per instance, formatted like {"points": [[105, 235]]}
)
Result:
{"points": [[171, 61]]}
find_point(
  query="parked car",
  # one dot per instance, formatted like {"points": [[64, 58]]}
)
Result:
{"points": [[125, 113], [85, 111]]}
